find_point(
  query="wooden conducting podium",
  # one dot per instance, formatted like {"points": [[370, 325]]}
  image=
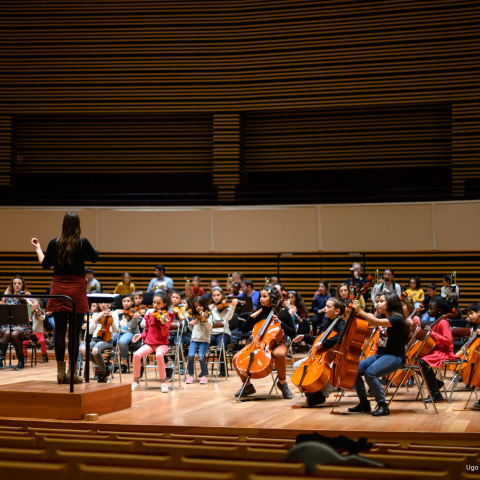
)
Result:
{"points": [[48, 399]]}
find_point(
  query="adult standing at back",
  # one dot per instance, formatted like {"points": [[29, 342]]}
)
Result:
{"points": [[160, 281], [67, 254], [387, 284]]}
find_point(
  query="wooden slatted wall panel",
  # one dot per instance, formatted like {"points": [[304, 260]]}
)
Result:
{"points": [[121, 144], [417, 136], [466, 144], [228, 154], [7, 150], [158, 55], [298, 271]]}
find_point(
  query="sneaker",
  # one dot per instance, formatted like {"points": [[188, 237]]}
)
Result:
{"points": [[124, 368], [476, 406], [164, 387], [102, 378], [135, 386], [189, 379], [203, 380], [249, 390], [286, 392]]}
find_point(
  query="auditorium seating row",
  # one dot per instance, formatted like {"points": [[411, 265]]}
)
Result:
{"points": [[70, 453]]}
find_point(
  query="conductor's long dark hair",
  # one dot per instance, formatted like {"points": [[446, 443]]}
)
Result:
{"points": [[70, 238]]}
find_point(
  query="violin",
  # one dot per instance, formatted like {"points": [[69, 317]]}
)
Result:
{"points": [[180, 310], [161, 316], [203, 316], [313, 374], [129, 313], [139, 308], [105, 332], [227, 303], [256, 359], [349, 345]]}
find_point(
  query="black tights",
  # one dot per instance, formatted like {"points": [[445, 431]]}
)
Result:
{"points": [[61, 322], [16, 338]]}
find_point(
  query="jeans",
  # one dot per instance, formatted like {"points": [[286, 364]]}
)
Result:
{"points": [[427, 317], [99, 346], [217, 340], [372, 368], [326, 390], [202, 347], [123, 343], [51, 322]]}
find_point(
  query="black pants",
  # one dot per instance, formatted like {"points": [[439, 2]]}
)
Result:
{"points": [[316, 321], [430, 377], [61, 322]]}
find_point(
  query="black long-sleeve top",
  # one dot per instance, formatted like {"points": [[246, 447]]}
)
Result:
{"points": [[83, 251], [285, 320], [328, 343]]}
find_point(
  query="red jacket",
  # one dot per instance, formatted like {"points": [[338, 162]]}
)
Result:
{"points": [[155, 333], [443, 349]]}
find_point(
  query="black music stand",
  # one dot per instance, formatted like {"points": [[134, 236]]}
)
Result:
{"points": [[72, 331], [13, 315], [94, 298]]}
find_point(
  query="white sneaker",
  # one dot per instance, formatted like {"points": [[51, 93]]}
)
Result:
{"points": [[164, 387], [135, 386]]}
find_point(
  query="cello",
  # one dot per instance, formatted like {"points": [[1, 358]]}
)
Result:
{"points": [[472, 346], [314, 373], [256, 359], [349, 345]]}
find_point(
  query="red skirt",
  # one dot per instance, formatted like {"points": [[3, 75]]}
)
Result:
{"points": [[75, 286]]}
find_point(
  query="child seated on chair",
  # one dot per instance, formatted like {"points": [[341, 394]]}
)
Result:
{"points": [[99, 344], [138, 304], [155, 338], [128, 329], [334, 308], [201, 327]]}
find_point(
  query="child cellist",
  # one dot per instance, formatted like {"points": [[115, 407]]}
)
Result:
{"points": [[270, 299], [333, 309]]}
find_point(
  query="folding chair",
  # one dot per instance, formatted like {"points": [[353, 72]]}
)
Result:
{"points": [[219, 352], [417, 372], [457, 364], [176, 351]]}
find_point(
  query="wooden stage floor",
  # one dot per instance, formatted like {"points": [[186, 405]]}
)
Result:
{"points": [[213, 405]]}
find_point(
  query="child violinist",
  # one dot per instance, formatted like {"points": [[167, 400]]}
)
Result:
{"points": [[443, 350], [224, 315], [126, 286], [179, 308], [200, 326], [138, 304], [334, 308], [155, 338], [390, 355], [129, 327], [101, 337], [270, 300]]}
